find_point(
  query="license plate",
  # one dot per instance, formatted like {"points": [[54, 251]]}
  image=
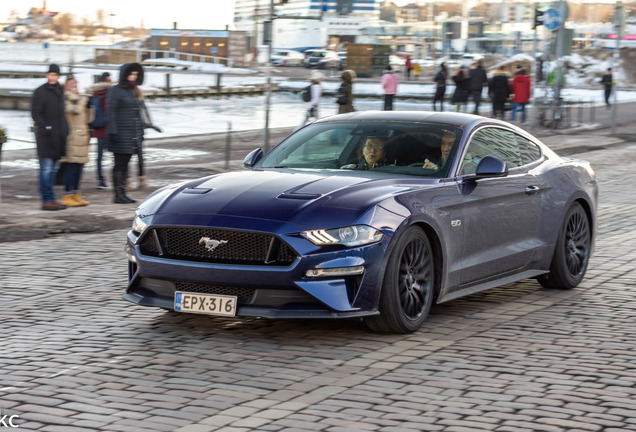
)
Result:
{"points": [[209, 304]]}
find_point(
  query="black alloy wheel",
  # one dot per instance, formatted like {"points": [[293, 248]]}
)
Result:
{"points": [[409, 285], [572, 251]]}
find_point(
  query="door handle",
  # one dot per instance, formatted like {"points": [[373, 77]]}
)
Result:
{"points": [[532, 189]]}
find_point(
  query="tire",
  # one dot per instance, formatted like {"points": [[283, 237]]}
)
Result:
{"points": [[572, 251], [408, 287]]}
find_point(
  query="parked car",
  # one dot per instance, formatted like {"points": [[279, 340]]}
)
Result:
{"points": [[368, 214], [287, 57], [321, 58], [342, 64]]}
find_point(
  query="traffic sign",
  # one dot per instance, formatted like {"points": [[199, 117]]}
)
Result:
{"points": [[552, 19]]}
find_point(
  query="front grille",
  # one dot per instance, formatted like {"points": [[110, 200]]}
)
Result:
{"points": [[244, 294], [232, 247]]}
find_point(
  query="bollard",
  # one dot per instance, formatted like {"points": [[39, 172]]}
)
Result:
{"points": [[228, 145], [168, 86], [580, 110], [592, 113]]}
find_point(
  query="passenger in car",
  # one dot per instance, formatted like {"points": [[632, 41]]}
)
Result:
{"points": [[372, 154], [447, 141]]}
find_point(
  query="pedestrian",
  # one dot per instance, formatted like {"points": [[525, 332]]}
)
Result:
{"points": [[478, 78], [521, 89], [51, 130], [462, 87], [142, 181], [417, 70], [606, 82], [408, 67], [98, 127], [440, 90], [499, 91], [344, 97], [315, 93], [78, 115], [125, 126], [390, 81]]}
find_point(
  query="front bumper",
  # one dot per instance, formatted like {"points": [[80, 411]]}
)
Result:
{"points": [[271, 292]]}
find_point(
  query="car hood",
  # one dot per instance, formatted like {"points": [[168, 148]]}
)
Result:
{"points": [[303, 199]]}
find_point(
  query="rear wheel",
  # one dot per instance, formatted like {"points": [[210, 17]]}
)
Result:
{"points": [[409, 284], [572, 251]]}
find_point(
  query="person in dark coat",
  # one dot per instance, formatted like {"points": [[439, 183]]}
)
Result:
{"points": [[499, 90], [462, 88], [478, 79], [125, 126], [344, 97], [440, 79], [51, 130], [606, 82]]}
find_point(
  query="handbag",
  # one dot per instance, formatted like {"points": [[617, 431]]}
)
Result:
{"points": [[507, 106]]}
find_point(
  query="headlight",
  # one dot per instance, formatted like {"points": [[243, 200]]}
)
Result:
{"points": [[356, 235], [139, 225]]}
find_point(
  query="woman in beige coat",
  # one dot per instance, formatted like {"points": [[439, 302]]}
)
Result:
{"points": [[78, 115]]}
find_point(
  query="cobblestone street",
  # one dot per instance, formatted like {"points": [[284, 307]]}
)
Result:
{"points": [[75, 357]]}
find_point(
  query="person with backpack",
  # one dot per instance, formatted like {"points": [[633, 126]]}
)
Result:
{"points": [[98, 126], [312, 94]]}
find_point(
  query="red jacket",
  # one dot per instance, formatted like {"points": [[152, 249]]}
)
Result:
{"points": [[521, 88]]}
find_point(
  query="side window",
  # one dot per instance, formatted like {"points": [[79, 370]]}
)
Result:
{"points": [[530, 152], [491, 142]]}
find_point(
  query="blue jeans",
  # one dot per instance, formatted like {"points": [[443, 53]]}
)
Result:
{"points": [[72, 177], [48, 170], [102, 144], [518, 106]]}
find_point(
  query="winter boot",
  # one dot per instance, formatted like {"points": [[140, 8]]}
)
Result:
{"points": [[129, 184], [142, 182], [78, 198], [69, 201], [119, 187]]}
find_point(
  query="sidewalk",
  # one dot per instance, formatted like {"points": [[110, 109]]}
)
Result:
{"points": [[176, 159]]}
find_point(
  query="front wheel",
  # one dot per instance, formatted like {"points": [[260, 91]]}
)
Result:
{"points": [[572, 251], [408, 287]]}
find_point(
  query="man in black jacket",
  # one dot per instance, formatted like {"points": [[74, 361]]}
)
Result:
{"points": [[478, 79], [51, 130]]}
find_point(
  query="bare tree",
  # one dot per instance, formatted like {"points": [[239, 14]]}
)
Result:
{"points": [[101, 17], [64, 23], [88, 29]]}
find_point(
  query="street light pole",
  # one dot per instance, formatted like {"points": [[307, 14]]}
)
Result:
{"points": [[618, 25], [268, 70]]}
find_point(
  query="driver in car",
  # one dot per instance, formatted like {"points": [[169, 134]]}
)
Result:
{"points": [[448, 139]]}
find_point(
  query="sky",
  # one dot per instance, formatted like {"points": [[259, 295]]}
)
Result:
{"points": [[189, 14]]}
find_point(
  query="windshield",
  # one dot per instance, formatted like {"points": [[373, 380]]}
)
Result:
{"points": [[412, 148]]}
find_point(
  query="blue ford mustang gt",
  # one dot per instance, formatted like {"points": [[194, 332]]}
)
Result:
{"points": [[371, 214]]}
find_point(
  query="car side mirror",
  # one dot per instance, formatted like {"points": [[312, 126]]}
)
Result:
{"points": [[489, 166], [252, 158]]}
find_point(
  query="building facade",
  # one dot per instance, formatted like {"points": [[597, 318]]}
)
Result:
{"points": [[305, 23]]}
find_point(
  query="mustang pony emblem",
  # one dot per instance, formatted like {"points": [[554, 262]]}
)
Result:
{"points": [[211, 244]]}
